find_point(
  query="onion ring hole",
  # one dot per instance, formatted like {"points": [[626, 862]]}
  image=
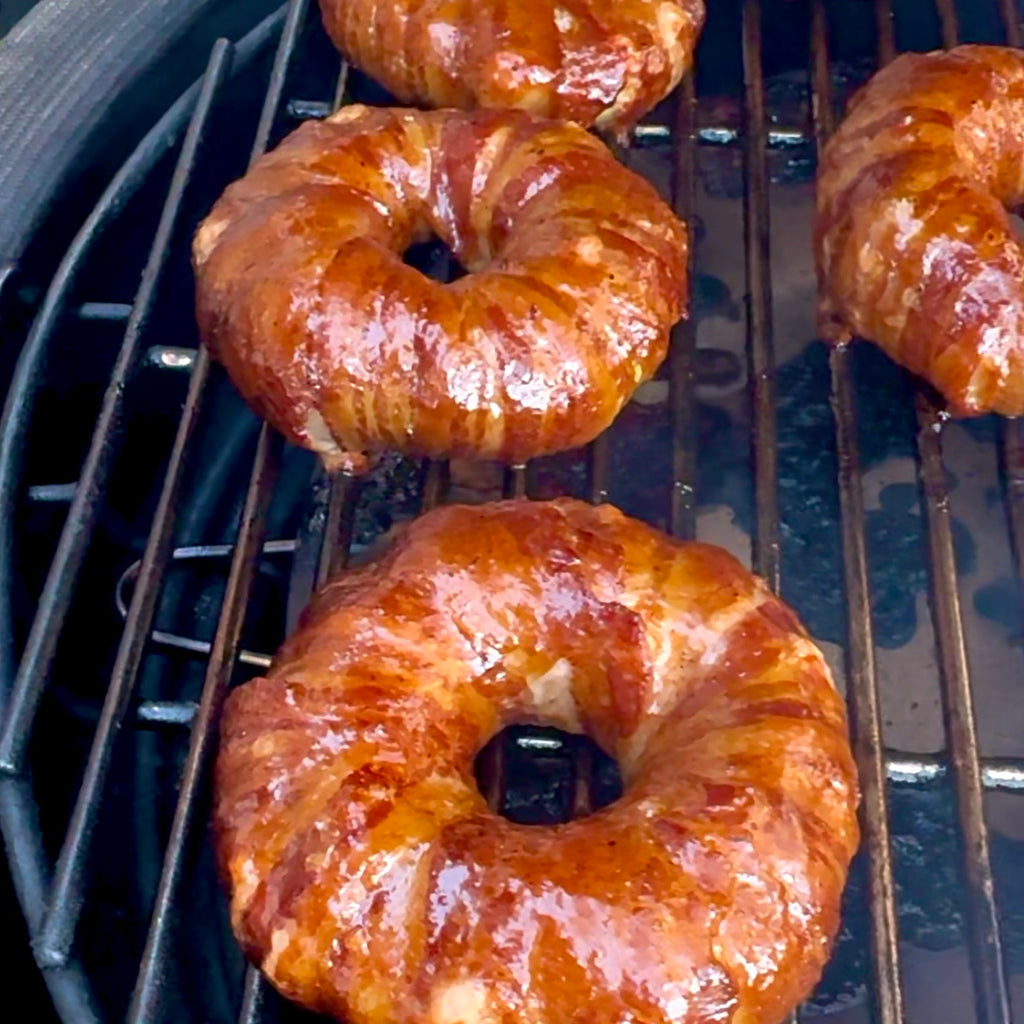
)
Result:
{"points": [[538, 775]]}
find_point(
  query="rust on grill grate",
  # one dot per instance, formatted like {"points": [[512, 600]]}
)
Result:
{"points": [[324, 542], [247, 547]]}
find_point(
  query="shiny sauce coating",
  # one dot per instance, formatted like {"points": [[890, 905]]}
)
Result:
{"points": [[577, 274], [915, 248], [603, 62], [368, 877]]}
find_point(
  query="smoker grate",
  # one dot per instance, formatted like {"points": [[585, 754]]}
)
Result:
{"points": [[323, 541]]}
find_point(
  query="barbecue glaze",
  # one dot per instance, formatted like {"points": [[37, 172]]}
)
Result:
{"points": [[598, 62], [577, 273], [914, 244], [368, 877]]}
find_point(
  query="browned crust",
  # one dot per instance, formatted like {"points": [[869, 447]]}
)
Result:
{"points": [[914, 245], [370, 880], [590, 61]]}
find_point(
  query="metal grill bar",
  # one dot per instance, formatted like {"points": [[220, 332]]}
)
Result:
{"points": [[759, 305], [515, 482], [32, 360], [145, 999], [167, 712], [337, 546], [7, 277], [1013, 466], [1011, 22], [114, 311], [599, 450], [54, 940], [254, 995], [54, 493], [886, 31], [583, 775], [644, 136], [309, 547], [19, 825], [435, 483], [598, 469], [765, 551], [991, 996], [1013, 430], [997, 773], [202, 648], [493, 760], [84, 512], [19, 819], [323, 547], [950, 23], [683, 501], [863, 690]]}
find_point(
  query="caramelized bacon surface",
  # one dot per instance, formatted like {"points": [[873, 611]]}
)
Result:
{"points": [[603, 62], [915, 248], [577, 272], [370, 880]]}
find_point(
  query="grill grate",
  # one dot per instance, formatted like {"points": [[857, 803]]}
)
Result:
{"points": [[325, 537], [991, 996]]}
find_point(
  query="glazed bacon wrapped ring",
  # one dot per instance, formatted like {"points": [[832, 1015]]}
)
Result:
{"points": [[915, 248], [597, 62], [369, 879], [577, 272]]}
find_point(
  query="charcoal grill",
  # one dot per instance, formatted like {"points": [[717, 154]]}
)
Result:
{"points": [[156, 541]]}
